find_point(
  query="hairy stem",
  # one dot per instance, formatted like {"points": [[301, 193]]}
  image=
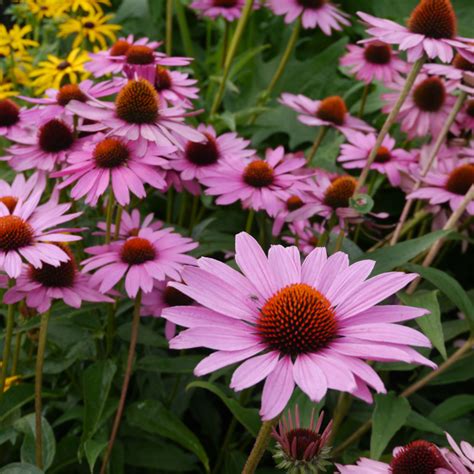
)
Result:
{"points": [[317, 143], [260, 446]]}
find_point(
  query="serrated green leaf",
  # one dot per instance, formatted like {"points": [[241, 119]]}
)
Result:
{"points": [[390, 414]]}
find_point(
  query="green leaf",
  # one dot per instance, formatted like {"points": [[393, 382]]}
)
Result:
{"points": [[92, 450], [15, 398], [390, 414], [26, 425], [430, 323], [421, 423], [449, 286], [20, 468], [248, 417], [459, 372], [97, 380], [453, 408], [153, 417], [169, 365], [388, 258]]}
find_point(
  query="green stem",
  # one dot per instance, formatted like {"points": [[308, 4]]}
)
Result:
{"points": [[281, 67], [194, 212], [260, 446], [109, 215], [110, 329], [43, 332], [327, 232], [126, 381], [16, 354], [182, 209], [317, 143], [184, 29], [249, 223], [410, 80], [225, 43], [118, 221], [340, 240], [234, 44], [7, 345], [363, 101], [344, 403], [169, 26], [169, 205], [434, 153]]}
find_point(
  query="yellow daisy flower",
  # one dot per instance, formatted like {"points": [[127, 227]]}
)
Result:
{"points": [[9, 381], [15, 39], [46, 8], [23, 66], [93, 28], [6, 87], [55, 71], [91, 6]]}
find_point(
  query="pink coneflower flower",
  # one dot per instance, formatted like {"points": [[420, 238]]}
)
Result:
{"points": [[44, 150], [431, 31], [40, 286], [173, 87], [130, 224], [174, 181], [20, 189], [54, 104], [113, 160], [314, 14], [137, 114], [463, 457], [163, 296], [293, 203], [389, 160], [465, 119], [196, 160], [309, 323], [259, 184], [26, 232], [459, 70], [13, 119], [329, 112], [426, 108], [301, 449], [151, 255], [128, 51], [447, 182], [228, 9], [374, 61]]}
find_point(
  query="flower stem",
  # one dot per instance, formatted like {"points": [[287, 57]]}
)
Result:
{"points": [[109, 215], [184, 30], [182, 209], [169, 205], [260, 446], [16, 354], [43, 332], [390, 121], [342, 408], [363, 101], [249, 223], [169, 27], [281, 68], [126, 381], [225, 43], [317, 143], [7, 345], [118, 221], [194, 213], [409, 391], [434, 153], [234, 44]]}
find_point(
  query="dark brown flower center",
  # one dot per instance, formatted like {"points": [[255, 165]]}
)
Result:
{"points": [[111, 153], [460, 62], [224, 3], [340, 192], [89, 25], [434, 19], [461, 179], [15, 233], [304, 440], [430, 95], [119, 48], [332, 109], [162, 79], [470, 108], [418, 457], [10, 202], [137, 250], [137, 102], [259, 174], [174, 297], [383, 155], [63, 65], [293, 203], [378, 53], [297, 320], [55, 136], [313, 4], [138, 54], [62, 276], [70, 92], [202, 154], [9, 113]]}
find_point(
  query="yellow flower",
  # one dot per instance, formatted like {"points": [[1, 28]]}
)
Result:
{"points": [[91, 6], [53, 71], [9, 381], [6, 88], [22, 68], [93, 28], [15, 39], [46, 8]]}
